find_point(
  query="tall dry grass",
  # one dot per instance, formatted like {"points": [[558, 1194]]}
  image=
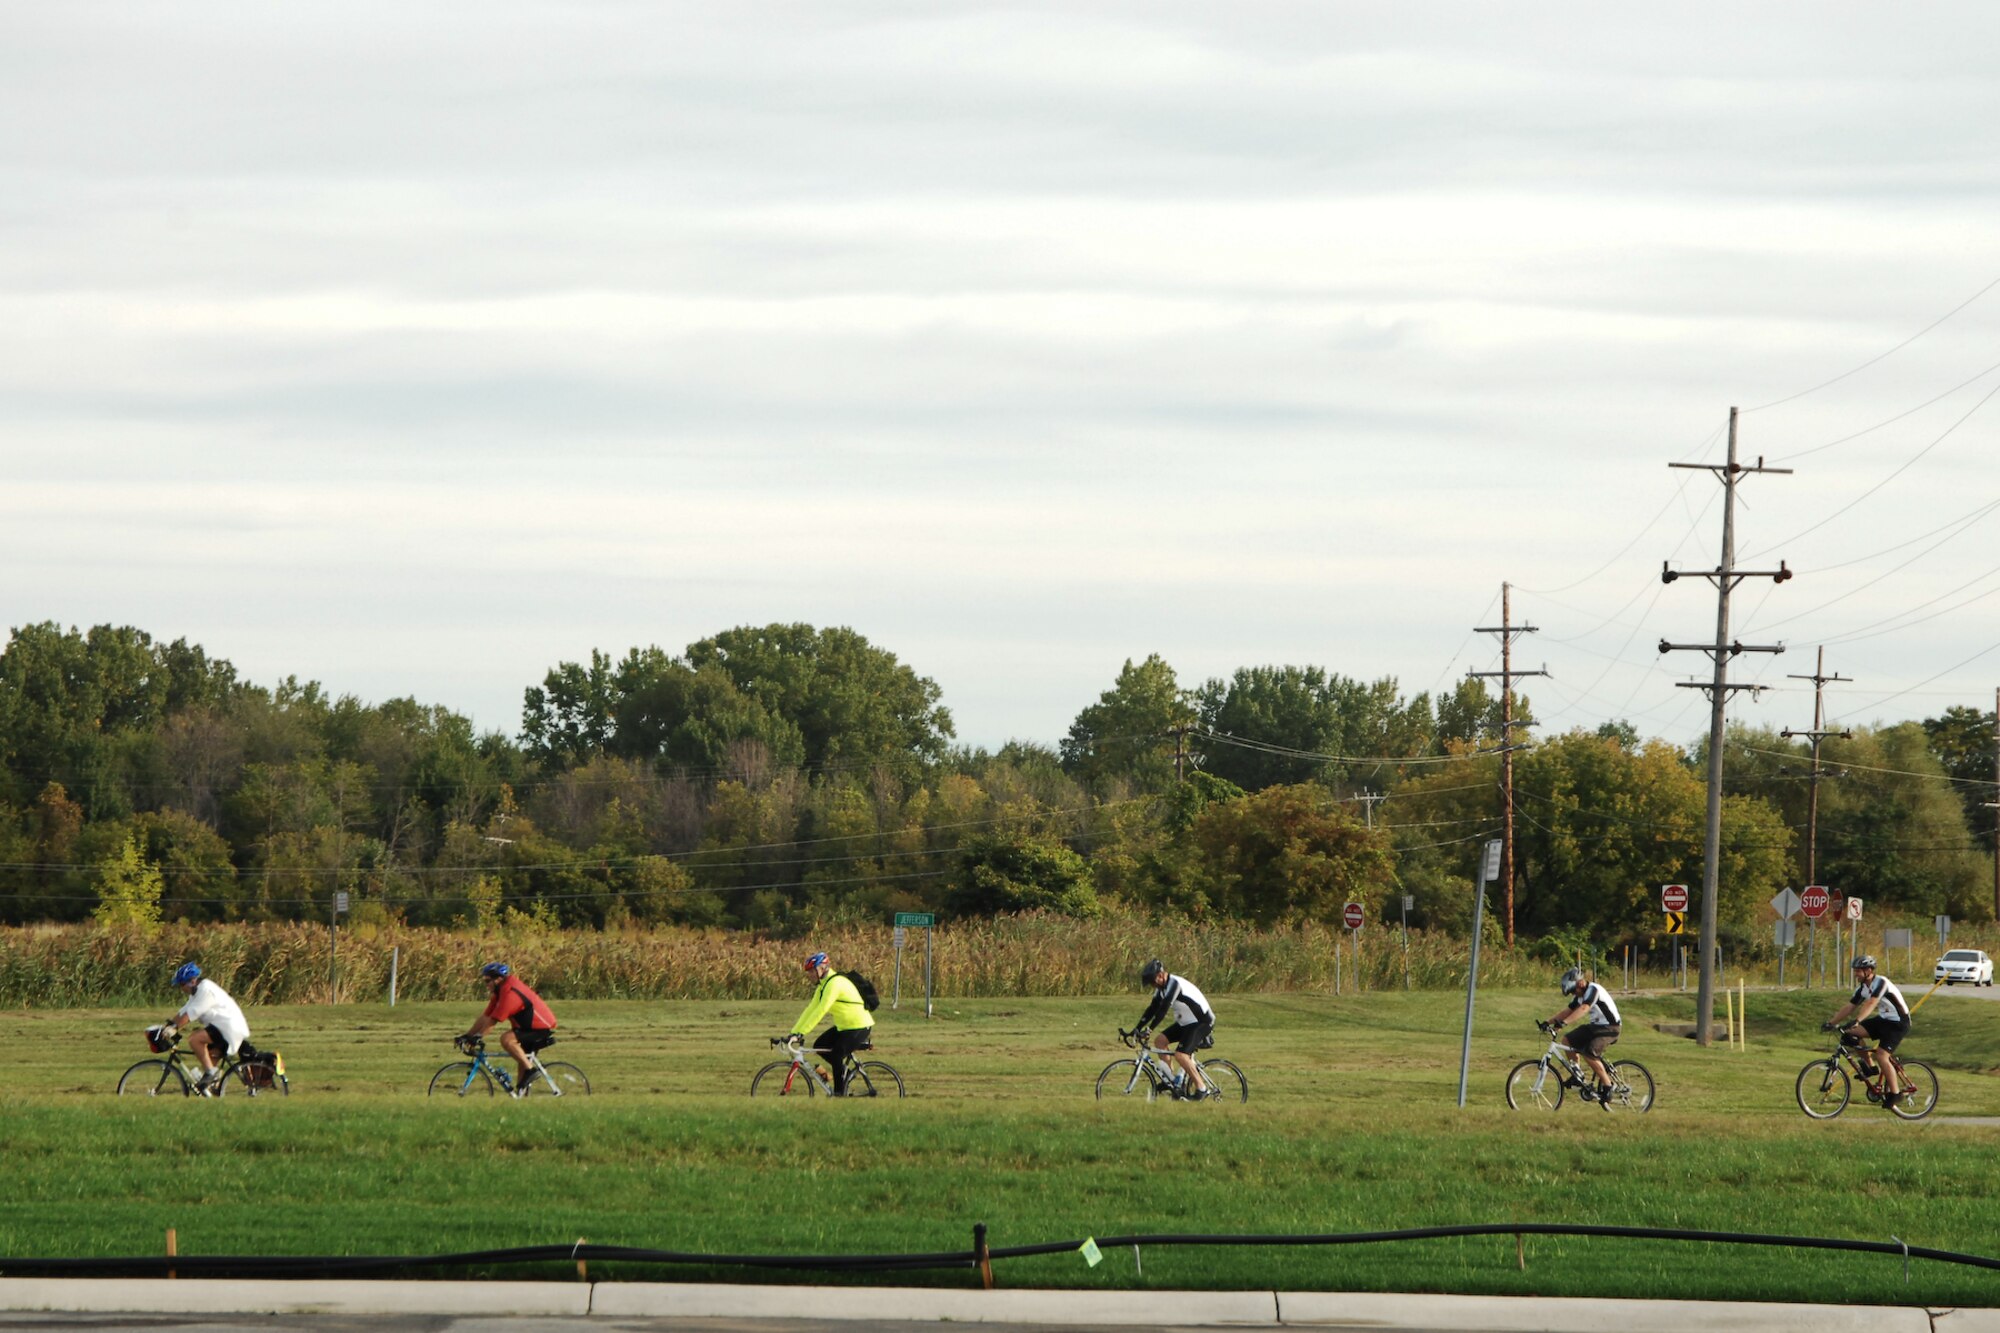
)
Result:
{"points": [[57, 966]]}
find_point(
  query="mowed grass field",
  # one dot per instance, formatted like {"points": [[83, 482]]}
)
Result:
{"points": [[1351, 1126]]}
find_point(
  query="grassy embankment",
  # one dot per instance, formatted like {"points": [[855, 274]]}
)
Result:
{"points": [[1351, 1126]]}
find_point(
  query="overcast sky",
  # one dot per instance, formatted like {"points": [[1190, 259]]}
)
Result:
{"points": [[415, 349]]}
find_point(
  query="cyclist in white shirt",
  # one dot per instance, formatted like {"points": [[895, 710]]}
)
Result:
{"points": [[1879, 1011], [219, 1025], [1599, 1012], [1182, 1001]]}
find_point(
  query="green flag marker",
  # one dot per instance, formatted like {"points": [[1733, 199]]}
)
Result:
{"points": [[1091, 1254]]}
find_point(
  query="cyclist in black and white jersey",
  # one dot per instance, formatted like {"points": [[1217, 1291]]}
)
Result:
{"points": [[1879, 1011], [1592, 1004], [1181, 1000]]}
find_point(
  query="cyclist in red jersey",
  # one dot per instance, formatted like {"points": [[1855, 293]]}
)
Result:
{"points": [[530, 1022]]}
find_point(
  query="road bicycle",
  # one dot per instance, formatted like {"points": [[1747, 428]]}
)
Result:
{"points": [[482, 1073], [1147, 1075], [1540, 1084], [799, 1077], [250, 1071], [1825, 1086]]}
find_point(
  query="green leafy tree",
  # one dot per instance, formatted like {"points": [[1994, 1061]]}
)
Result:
{"points": [[849, 700], [1284, 722], [1893, 831], [1002, 873], [1962, 741], [1127, 735], [1289, 854], [128, 890]]}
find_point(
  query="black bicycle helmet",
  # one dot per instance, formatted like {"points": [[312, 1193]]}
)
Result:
{"points": [[1151, 968], [1866, 960]]}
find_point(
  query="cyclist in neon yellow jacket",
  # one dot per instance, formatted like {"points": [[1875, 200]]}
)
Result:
{"points": [[839, 999]]}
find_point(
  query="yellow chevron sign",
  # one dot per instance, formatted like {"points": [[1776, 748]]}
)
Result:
{"points": [[1677, 923]]}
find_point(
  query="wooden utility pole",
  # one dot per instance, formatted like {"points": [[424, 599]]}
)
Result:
{"points": [[1507, 629], [1996, 804], [1725, 576], [1819, 678]]}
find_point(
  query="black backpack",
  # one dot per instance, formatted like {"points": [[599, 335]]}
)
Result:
{"points": [[870, 998]]}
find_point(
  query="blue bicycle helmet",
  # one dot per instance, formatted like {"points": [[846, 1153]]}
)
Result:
{"points": [[815, 962], [495, 970], [185, 973]]}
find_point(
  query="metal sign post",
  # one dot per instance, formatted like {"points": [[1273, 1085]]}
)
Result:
{"points": [[333, 946], [1488, 872], [895, 997], [1786, 904], [1943, 924], [1902, 936], [1409, 901], [927, 920], [1351, 916]]}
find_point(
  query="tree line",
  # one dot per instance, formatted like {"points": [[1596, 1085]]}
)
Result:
{"points": [[785, 777]]}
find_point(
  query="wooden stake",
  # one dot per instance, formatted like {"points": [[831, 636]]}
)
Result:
{"points": [[173, 1249], [981, 1256], [582, 1270], [1520, 1253]]}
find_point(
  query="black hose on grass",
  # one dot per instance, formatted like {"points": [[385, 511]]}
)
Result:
{"points": [[336, 1266]]}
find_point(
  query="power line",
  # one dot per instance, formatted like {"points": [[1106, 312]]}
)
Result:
{"points": [[1792, 398]]}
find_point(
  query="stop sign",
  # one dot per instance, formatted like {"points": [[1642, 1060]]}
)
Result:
{"points": [[1814, 900], [1350, 916], [1674, 897]]}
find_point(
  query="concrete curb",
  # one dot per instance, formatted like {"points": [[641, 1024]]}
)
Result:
{"points": [[703, 1300], [130, 1295], [723, 1301]]}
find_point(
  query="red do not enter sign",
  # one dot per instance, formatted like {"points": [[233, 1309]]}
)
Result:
{"points": [[1814, 900], [1674, 897], [1351, 916]]}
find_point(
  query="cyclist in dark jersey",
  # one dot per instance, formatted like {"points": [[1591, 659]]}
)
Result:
{"points": [[1600, 1027], [530, 1023], [1879, 1011]]}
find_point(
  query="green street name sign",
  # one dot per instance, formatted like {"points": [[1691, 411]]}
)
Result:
{"points": [[916, 918]]}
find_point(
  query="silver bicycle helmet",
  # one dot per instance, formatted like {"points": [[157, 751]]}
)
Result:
{"points": [[1866, 960], [1571, 980]]}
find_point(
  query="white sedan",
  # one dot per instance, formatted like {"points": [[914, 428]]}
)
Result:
{"points": [[1968, 965]]}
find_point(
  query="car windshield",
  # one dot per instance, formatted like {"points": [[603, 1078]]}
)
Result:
{"points": [[1962, 956]]}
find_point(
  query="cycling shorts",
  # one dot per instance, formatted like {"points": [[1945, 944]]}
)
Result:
{"points": [[1187, 1038], [535, 1039], [1591, 1038], [1887, 1032]]}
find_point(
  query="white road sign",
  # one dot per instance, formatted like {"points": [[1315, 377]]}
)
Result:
{"points": [[1786, 904], [1853, 909]]}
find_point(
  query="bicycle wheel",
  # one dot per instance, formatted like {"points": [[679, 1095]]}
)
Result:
{"points": [[245, 1076], [872, 1078], [154, 1078], [460, 1079], [1631, 1086], [1123, 1078], [1823, 1089], [1920, 1089], [559, 1078], [1533, 1086], [776, 1080], [1226, 1083]]}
